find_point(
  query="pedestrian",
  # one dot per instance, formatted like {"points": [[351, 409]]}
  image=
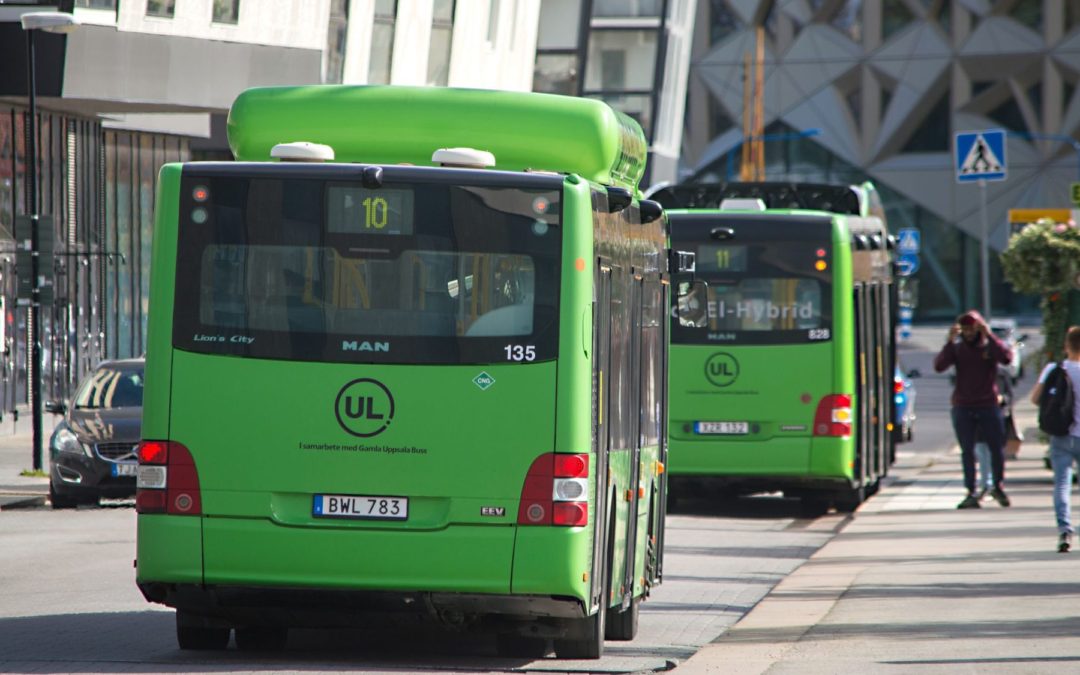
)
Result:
{"points": [[975, 352], [1064, 450]]}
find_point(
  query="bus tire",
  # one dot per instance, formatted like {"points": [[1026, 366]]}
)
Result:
{"points": [[261, 638], [521, 646], [813, 506], [849, 501], [191, 635], [622, 624]]}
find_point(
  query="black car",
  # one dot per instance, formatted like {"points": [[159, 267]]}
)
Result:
{"points": [[92, 451]]}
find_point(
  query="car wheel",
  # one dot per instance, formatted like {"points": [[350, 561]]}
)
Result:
{"points": [[60, 500]]}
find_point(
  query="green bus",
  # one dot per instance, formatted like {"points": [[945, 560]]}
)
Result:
{"points": [[783, 350], [423, 381]]}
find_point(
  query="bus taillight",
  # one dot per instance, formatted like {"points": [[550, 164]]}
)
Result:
{"points": [[556, 491], [167, 480], [833, 416]]}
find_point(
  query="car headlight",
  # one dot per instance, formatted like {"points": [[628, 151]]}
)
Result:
{"points": [[65, 440]]}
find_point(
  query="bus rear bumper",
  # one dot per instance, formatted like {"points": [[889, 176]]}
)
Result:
{"points": [[231, 606]]}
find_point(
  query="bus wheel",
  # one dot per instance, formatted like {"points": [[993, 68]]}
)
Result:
{"points": [[588, 642], [521, 646], [813, 507], [261, 638], [850, 500], [623, 624], [190, 636]]}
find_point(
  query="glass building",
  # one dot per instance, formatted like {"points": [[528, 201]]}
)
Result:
{"points": [[883, 86]]}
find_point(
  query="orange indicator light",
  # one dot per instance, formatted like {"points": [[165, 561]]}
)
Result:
{"points": [[820, 265], [200, 194]]}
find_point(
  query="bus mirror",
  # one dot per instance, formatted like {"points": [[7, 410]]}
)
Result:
{"points": [[691, 304], [650, 210], [618, 199], [680, 262]]}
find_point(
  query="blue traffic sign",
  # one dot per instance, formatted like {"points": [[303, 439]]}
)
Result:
{"points": [[907, 264], [980, 155], [907, 241]]}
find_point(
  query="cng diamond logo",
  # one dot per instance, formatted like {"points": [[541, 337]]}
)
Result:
{"points": [[484, 381]]}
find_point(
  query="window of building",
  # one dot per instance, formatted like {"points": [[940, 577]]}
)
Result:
{"points": [[627, 8], [621, 59], [895, 16], [96, 4], [560, 21], [226, 11], [165, 9], [556, 74], [382, 41], [932, 135], [724, 22], [848, 20], [493, 21], [442, 32], [1029, 13], [335, 41]]}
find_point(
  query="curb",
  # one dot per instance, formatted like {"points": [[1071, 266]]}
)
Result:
{"points": [[27, 501]]}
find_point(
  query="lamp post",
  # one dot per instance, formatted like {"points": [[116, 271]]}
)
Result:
{"points": [[50, 22]]}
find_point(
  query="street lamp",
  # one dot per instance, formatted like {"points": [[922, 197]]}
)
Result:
{"points": [[50, 22]]}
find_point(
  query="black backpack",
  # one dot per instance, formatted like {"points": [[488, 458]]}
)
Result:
{"points": [[1056, 403]]}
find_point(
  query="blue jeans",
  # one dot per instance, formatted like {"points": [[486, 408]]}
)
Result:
{"points": [[1064, 452], [987, 424]]}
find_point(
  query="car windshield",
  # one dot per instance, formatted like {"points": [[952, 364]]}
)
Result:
{"points": [[111, 387]]}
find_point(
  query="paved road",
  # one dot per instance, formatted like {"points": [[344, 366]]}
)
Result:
{"points": [[68, 602]]}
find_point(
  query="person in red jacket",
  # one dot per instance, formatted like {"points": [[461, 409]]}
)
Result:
{"points": [[975, 352]]}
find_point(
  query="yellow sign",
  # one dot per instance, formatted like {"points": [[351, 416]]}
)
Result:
{"points": [[1031, 215]]}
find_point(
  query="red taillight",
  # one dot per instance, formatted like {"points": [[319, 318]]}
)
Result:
{"points": [[555, 491], [153, 452], [833, 416], [172, 488], [898, 387]]}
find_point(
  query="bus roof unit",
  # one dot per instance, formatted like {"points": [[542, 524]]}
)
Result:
{"points": [[393, 125]]}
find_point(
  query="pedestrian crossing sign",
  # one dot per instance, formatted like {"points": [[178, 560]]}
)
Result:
{"points": [[980, 155]]}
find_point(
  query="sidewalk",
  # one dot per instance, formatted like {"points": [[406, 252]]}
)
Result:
{"points": [[913, 584], [16, 455]]}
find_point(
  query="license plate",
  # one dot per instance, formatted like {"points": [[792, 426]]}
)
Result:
{"points": [[721, 427], [376, 507], [125, 469]]}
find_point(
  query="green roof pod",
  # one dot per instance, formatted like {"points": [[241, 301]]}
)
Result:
{"points": [[393, 125]]}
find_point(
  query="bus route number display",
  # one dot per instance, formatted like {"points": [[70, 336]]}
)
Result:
{"points": [[722, 259], [356, 210]]}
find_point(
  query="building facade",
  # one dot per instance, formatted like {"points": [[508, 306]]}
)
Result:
{"points": [[876, 90]]}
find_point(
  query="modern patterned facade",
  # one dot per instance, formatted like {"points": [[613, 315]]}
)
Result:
{"points": [[876, 89]]}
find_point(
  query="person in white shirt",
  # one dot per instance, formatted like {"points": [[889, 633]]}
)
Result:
{"points": [[1065, 450]]}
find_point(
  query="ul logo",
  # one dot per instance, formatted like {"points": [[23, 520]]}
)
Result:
{"points": [[721, 369], [364, 407]]}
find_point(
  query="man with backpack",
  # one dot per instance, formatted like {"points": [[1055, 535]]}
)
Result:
{"points": [[975, 352], [1056, 394]]}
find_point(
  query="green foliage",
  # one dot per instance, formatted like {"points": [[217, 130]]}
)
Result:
{"points": [[33, 473], [1044, 259]]}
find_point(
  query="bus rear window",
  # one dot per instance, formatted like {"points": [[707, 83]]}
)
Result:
{"points": [[758, 293], [307, 269]]}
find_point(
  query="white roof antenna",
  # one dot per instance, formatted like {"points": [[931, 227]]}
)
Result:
{"points": [[469, 158], [302, 151]]}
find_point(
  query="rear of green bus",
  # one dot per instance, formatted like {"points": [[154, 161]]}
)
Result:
{"points": [[369, 398], [761, 379]]}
